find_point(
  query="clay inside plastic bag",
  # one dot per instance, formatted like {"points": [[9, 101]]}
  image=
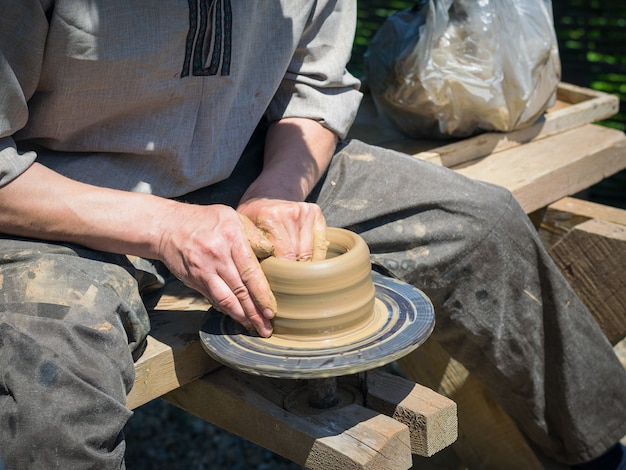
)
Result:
{"points": [[454, 68]]}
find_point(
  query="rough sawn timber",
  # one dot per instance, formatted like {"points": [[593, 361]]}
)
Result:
{"points": [[591, 253], [432, 422], [563, 215], [563, 164], [173, 356], [376, 435], [488, 438]]}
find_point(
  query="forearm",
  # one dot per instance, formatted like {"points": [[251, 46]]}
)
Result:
{"points": [[297, 152], [206, 247], [45, 205]]}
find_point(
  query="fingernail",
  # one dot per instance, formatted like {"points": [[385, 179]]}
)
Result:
{"points": [[268, 313], [266, 332]]}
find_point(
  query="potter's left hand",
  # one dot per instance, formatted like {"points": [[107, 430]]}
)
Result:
{"points": [[296, 229]]}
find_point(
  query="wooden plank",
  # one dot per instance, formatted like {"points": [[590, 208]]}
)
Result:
{"points": [[563, 116], [592, 256], [594, 275], [172, 358], [488, 438], [544, 171], [574, 94], [563, 215], [575, 106], [430, 417], [352, 437]]}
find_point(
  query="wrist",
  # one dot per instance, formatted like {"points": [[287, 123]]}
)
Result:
{"points": [[282, 189]]}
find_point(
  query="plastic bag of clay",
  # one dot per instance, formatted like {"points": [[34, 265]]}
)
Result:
{"points": [[453, 68]]}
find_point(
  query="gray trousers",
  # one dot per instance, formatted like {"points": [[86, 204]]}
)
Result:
{"points": [[70, 318]]}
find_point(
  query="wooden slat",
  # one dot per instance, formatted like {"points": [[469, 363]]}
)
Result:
{"points": [[172, 358], [576, 106], [542, 172], [563, 215], [431, 418], [592, 256], [351, 437], [488, 438]]}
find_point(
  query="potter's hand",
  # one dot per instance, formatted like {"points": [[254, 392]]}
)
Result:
{"points": [[207, 247], [296, 229]]}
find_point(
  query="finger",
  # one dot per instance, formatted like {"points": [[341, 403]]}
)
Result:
{"points": [[261, 246], [258, 290], [253, 313], [305, 242], [239, 289], [312, 244], [236, 302], [320, 242], [251, 287], [222, 299]]}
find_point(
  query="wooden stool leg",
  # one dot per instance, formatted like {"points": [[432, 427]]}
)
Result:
{"points": [[431, 418], [488, 438]]}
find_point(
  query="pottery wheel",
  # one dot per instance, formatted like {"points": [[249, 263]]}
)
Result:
{"points": [[403, 319]]}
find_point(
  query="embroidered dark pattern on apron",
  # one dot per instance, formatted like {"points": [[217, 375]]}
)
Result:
{"points": [[209, 41]]}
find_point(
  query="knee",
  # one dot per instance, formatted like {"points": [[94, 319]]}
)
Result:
{"points": [[53, 281], [64, 388], [495, 207]]}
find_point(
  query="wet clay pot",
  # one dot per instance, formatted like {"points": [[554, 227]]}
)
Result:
{"points": [[321, 300], [335, 317]]}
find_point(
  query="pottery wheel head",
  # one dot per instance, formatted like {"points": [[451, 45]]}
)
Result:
{"points": [[335, 317]]}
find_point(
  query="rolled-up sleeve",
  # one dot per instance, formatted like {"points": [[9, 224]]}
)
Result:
{"points": [[317, 84], [23, 30]]}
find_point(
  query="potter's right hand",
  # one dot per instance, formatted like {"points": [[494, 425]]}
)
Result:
{"points": [[208, 248]]}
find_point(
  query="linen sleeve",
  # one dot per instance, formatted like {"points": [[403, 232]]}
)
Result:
{"points": [[317, 85], [23, 30]]}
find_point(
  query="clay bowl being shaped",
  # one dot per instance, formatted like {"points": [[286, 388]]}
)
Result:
{"points": [[327, 299], [335, 317]]}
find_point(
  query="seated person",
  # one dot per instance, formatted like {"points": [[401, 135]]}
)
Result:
{"points": [[140, 139]]}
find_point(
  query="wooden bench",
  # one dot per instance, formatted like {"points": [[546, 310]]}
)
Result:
{"points": [[558, 156]]}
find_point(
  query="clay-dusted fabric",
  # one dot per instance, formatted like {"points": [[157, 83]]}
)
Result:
{"points": [[125, 95], [70, 321]]}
